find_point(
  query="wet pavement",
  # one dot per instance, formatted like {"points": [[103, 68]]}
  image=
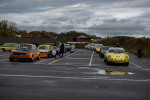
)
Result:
{"points": [[82, 75]]}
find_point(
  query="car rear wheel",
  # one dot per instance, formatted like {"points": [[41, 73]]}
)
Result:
{"points": [[3, 49], [11, 60]]}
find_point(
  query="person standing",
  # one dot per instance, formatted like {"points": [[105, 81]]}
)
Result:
{"points": [[35, 43], [55, 44], [139, 53], [61, 49]]}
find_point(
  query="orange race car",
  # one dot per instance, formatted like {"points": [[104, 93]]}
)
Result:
{"points": [[25, 52]]}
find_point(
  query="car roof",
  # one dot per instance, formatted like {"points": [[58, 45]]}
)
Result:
{"points": [[26, 44], [44, 45], [10, 43], [116, 48], [106, 46]]}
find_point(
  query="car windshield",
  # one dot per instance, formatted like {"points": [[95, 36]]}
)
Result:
{"points": [[99, 46], [116, 51], [43, 47], [54, 47], [24, 47], [105, 48], [7, 44]]}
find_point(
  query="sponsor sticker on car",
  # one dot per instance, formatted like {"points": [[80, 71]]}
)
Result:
{"points": [[117, 56]]}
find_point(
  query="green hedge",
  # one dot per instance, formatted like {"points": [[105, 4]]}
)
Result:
{"points": [[28, 40]]}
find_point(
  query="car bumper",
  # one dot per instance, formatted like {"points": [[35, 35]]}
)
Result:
{"points": [[28, 59]]}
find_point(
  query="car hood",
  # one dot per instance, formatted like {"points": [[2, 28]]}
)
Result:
{"points": [[21, 51], [118, 54], [44, 50]]}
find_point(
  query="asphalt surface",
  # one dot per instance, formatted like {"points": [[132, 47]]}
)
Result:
{"points": [[77, 76]]}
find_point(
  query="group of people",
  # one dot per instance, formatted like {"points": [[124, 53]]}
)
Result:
{"points": [[55, 44]]}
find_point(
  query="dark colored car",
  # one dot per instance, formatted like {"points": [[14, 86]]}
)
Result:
{"points": [[103, 51]]}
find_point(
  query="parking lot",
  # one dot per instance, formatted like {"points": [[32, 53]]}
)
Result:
{"points": [[81, 75]]}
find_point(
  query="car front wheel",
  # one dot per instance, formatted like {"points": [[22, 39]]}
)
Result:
{"points": [[107, 62], [38, 58], [11, 60], [126, 64]]}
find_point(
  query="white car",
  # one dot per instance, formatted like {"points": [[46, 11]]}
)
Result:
{"points": [[92, 46], [88, 46]]}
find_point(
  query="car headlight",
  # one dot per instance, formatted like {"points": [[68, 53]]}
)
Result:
{"points": [[27, 54], [127, 57]]}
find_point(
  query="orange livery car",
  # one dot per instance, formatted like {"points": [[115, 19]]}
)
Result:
{"points": [[25, 52]]}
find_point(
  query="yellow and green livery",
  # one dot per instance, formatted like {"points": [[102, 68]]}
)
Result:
{"points": [[9, 46]]}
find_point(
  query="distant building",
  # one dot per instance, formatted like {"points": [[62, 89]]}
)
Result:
{"points": [[17, 35], [27, 36], [96, 40], [82, 38]]}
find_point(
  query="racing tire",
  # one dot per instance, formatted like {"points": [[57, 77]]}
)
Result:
{"points": [[11, 60], [3, 49], [126, 64], [107, 63], [38, 58], [104, 60], [32, 58]]}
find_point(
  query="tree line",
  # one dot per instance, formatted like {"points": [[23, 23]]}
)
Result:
{"points": [[9, 29]]}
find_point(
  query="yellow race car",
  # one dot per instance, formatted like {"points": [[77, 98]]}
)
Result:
{"points": [[116, 55], [45, 50], [9, 46], [98, 48]]}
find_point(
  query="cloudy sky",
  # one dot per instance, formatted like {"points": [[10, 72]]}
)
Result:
{"points": [[100, 17]]}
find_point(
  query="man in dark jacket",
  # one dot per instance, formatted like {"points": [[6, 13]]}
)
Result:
{"points": [[35, 43], [139, 53], [61, 49]]}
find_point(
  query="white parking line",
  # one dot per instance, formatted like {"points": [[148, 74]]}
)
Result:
{"points": [[3, 59], [4, 54], [41, 61], [83, 78], [62, 58], [32, 76], [135, 65], [91, 59]]}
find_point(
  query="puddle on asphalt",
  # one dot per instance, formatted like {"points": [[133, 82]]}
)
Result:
{"points": [[108, 72]]}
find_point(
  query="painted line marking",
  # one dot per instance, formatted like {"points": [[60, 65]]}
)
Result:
{"points": [[62, 58], [41, 61], [135, 65], [91, 59], [76, 58], [4, 54], [3, 59], [83, 78], [32, 76]]}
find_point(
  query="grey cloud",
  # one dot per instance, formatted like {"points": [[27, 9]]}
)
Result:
{"points": [[116, 27], [19, 6]]}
